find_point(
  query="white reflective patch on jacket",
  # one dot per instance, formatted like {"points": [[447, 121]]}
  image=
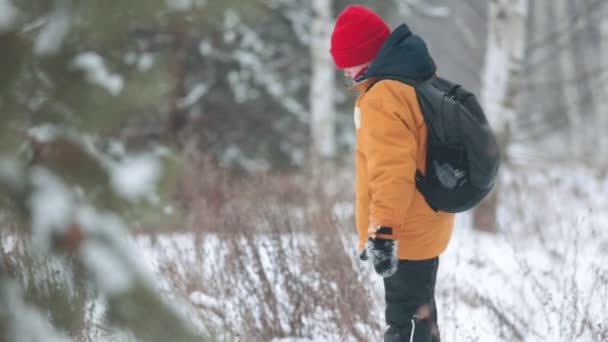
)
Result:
{"points": [[357, 117]]}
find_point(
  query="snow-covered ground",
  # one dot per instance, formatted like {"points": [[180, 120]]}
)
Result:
{"points": [[543, 277]]}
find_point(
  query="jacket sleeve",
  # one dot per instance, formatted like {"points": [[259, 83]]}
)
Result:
{"points": [[388, 141]]}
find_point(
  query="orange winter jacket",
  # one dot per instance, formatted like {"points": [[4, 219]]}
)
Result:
{"points": [[391, 145]]}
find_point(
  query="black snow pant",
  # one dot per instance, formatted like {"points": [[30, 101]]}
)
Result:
{"points": [[411, 313]]}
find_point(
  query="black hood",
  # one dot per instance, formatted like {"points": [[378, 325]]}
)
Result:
{"points": [[403, 55]]}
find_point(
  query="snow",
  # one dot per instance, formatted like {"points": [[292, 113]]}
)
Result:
{"points": [[168, 210], [179, 5], [234, 156], [253, 55], [205, 48], [26, 323], [231, 19], [107, 255], [93, 65], [145, 62], [193, 96], [238, 87], [201, 299], [51, 37], [538, 279], [11, 173], [8, 14], [9, 243], [43, 133], [51, 205], [540, 273], [299, 18], [543, 281], [135, 176], [110, 274], [199, 260], [116, 148]]}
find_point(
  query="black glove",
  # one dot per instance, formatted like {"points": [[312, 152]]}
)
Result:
{"points": [[383, 255]]}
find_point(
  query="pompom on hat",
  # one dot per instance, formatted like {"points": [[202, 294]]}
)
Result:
{"points": [[358, 36]]}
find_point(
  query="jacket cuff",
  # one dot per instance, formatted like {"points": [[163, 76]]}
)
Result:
{"points": [[386, 232]]}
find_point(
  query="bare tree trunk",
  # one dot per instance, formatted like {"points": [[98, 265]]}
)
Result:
{"points": [[556, 98], [178, 117], [602, 91], [585, 55], [501, 84], [549, 72], [322, 90], [571, 90]]}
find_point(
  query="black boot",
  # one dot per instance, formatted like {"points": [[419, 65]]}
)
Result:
{"points": [[419, 331], [393, 335]]}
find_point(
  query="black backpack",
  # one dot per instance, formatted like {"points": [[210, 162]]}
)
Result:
{"points": [[463, 156]]}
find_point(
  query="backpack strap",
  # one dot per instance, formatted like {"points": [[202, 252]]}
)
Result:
{"points": [[420, 179]]}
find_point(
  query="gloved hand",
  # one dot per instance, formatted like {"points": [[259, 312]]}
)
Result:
{"points": [[382, 253]]}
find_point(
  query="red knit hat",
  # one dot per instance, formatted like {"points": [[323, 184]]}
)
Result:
{"points": [[357, 37]]}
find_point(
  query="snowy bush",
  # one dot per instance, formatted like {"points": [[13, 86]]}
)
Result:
{"points": [[270, 258], [263, 261], [541, 278]]}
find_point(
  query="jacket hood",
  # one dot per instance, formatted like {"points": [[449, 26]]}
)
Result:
{"points": [[403, 55]]}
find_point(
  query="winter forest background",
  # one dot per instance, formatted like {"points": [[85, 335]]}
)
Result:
{"points": [[181, 170]]}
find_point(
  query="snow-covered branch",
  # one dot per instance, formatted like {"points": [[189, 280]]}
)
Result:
{"points": [[62, 220]]}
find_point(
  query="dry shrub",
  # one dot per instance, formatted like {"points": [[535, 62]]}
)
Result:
{"points": [[553, 223], [274, 258]]}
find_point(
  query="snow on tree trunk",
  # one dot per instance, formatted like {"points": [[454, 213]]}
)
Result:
{"points": [[501, 83], [322, 90]]}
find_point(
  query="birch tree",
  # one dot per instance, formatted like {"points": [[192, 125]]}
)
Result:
{"points": [[541, 78], [602, 88], [501, 83], [567, 59], [322, 85]]}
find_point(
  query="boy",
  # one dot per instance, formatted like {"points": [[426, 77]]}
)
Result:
{"points": [[399, 233]]}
